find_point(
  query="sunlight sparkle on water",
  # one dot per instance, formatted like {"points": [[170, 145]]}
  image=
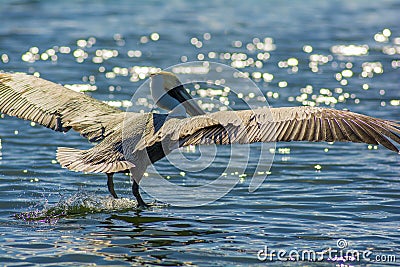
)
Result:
{"points": [[81, 87], [395, 102], [307, 48], [119, 104], [154, 36], [383, 37], [4, 58], [395, 64], [350, 50], [371, 68], [251, 56]]}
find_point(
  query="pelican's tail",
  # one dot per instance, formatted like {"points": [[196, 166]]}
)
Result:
{"points": [[82, 160]]}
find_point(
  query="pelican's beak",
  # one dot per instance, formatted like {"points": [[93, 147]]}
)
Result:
{"points": [[180, 94]]}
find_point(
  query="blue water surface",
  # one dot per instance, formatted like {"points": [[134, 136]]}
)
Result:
{"points": [[341, 54]]}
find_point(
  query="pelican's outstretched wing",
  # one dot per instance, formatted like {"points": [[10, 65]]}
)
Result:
{"points": [[278, 124], [55, 106]]}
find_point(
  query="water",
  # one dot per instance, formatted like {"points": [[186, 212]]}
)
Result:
{"points": [[50, 216]]}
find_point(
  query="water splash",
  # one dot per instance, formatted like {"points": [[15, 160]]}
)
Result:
{"points": [[78, 204]]}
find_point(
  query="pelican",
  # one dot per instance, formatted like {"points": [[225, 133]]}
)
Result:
{"points": [[129, 142]]}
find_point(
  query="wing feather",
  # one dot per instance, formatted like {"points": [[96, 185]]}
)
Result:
{"points": [[52, 105], [279, 124]]}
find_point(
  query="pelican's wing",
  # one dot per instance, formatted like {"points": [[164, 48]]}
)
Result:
{"points": [[55, 106], [278, 124], [112, 154]]}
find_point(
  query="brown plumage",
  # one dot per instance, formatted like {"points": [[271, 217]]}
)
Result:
{"points": [[56, 107], [129, 142]]}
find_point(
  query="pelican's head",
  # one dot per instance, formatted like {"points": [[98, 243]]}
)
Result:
{"points": [[168, 93]]}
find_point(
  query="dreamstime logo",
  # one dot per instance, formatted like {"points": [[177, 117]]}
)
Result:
{"points": [[216, 88], [342, 254], [341, 243]]}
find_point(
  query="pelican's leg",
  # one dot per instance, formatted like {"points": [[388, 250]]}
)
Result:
{"points": [[136, 193], [136, 175], [110, 184]]}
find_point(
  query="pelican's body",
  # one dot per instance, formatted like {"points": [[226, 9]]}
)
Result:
{"points": [[129, 142]]}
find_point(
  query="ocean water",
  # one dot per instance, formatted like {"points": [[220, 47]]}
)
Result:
{"points": [[317, 196]]}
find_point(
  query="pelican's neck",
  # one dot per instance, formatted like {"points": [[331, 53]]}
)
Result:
{"points": [[178, 112], [157, 87], [161, 98]]}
